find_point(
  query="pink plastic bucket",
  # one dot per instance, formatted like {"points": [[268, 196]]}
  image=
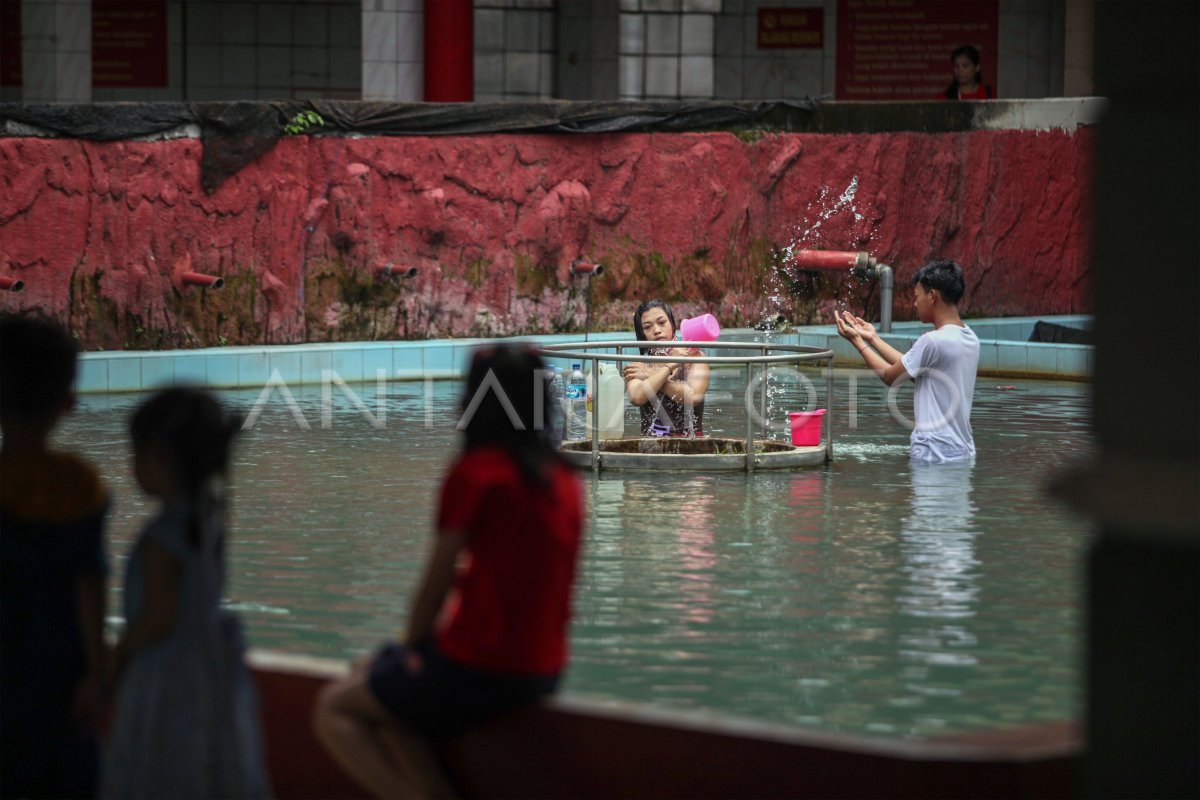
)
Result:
{"points": [[806, 427], [703, 328]]}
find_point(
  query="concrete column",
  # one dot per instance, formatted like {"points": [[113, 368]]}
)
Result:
{"points": [[1143, 597], [449, 51], [1080, 33], [56, 51]]}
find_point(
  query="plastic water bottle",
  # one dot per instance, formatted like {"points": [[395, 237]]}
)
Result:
{"points": [[556, 414], [577, 403]]}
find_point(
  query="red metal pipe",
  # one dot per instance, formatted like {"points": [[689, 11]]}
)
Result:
{"points": [[832, 259], [449, 51], [392, 271], [200, 279], [12, 284], [587, 268]]}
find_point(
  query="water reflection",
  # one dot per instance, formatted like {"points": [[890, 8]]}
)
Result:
{"points": [[937, 545]]}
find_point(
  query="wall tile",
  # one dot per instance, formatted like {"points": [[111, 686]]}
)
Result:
{"points": [[376, 358], [345, 68], [1042, 358], [489, 73], [662, 76], [662, 34], [631, 73], [310, 24], [661, 5], [274, 23], [727, 78], [696, 76], [73, 26], [727, 35], [520, 73], [521, 30], [410, 82], [74, 77], [288, 365], [39, 25], [546, 82], [379, 80], [489, 29], [696, 35], [253, 368], [238, 23], [763, 79], [379, 36], [204, 66], [125, 374], [222, 370], [274, 66], [408, 362], [348, 364], [191, 370], [204, 23], [702, 6], [633, 31], [92, 375], [310, 68], [547, 35], [313, 363], [237, 65], [158, 372], [410, 37], [345, 26]]}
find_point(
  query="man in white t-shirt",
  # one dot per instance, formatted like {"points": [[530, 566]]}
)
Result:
{"points": [[942, 363]]}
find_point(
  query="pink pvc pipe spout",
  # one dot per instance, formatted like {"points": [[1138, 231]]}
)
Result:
{"points": [[858, 262], [205, 281], [392, 271], [586, 268], [12, 284]]}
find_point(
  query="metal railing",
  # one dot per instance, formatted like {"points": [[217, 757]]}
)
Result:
{"points": [[794, 354]]}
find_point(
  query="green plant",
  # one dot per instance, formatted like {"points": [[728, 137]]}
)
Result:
{"points": [[302, 122]]}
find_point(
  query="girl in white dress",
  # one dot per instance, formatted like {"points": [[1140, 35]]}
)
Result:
{"points": [[186, 722]]}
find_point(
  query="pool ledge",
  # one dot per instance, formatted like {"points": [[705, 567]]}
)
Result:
{"points": [[1004, 351], [575, 747]]}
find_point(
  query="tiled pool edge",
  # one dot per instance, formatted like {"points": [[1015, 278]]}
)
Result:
{"points": [[1003, 352]]}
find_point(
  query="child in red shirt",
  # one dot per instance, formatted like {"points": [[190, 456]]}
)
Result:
{"points": [[488, 626]]}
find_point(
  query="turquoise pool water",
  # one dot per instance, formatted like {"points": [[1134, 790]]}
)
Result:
{"points": [[868, 596]]}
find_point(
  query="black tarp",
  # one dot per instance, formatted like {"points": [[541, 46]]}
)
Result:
{"points": [[234, 134], [1060, 334]]}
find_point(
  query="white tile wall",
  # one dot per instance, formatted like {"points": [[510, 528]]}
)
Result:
{"points": [[696, 76], [662, 34], [662, 76]]}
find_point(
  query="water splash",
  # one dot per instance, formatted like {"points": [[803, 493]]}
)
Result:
{"points": [[805, 235]]}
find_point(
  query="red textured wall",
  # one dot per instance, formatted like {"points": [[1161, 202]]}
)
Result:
{"points": [[100, 232]]}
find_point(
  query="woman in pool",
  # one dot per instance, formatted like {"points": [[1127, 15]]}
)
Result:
{"points": [[670, 394]]}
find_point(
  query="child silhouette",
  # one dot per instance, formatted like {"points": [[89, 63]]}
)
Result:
{"points": [[186, 722], [52, 574]]}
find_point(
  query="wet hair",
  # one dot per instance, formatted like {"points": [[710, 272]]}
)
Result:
{"points": [[972, 55], [37, 369], [193, 432], [945, 276], [506, 380], [642, 309]]}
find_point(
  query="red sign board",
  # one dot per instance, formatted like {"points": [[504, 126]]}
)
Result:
{"points": [[900, 49], [129, 43], [10, 42], [791, 27]]}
